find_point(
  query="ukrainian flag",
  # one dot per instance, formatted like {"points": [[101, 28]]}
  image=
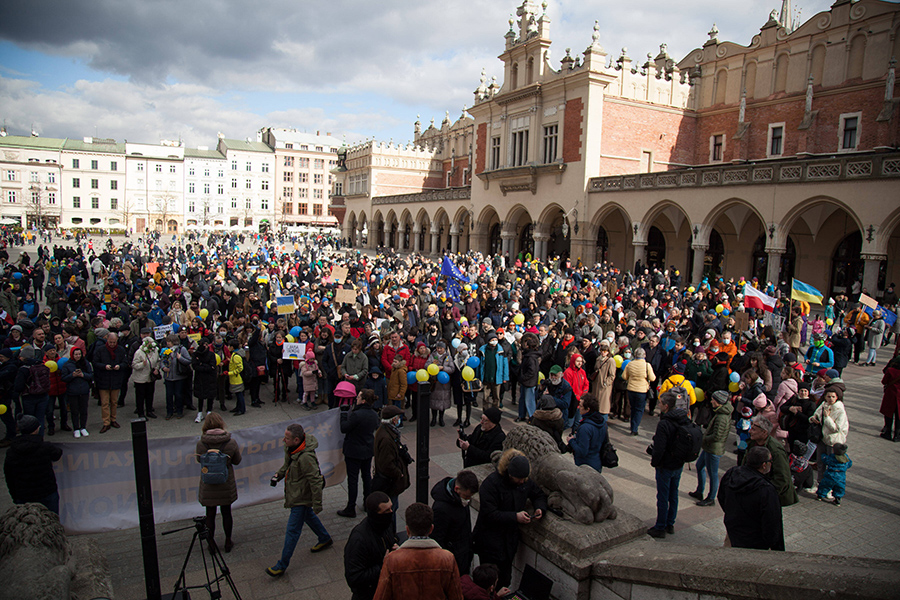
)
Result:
{"points": [[805, 293]]}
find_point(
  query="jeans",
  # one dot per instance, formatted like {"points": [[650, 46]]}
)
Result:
{"points": [[78, 406], [708, 463], [870, 358], [667, 496], [36, 406], [355, 466], [299, 516], [63, 411], [637, 400], [526, 402], [174, 400], [143, 397]]}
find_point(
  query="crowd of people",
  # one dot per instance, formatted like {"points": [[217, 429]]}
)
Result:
{"points": [[560, 345]]}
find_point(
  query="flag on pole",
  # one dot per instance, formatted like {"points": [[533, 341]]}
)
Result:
{"points": [[453, 278], [889, 316], [805, 293], [753, 298]]}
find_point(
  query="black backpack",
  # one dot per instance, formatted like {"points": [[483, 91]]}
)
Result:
{"points": [[38, 380], [214, 467], [688, 442]]}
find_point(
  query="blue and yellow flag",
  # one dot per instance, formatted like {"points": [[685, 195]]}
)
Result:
{"points": [[805, 293]]}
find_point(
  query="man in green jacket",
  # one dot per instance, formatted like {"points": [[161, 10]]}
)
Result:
{"points": [[713, 448], [780, 475], [303, 483]]}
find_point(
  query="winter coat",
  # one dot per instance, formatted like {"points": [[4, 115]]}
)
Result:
{"points": [[890, 402], [309, 371], [452, 523], [388, 462], [358, 426], [396, 387], [496, 532], [76, 386], [603, 384], [531, 364], [752, 510], [355, 364], [57, 385], [363, 557], [204, 365], [588, 440], [303, 481], [562, 393], [142, 366], [577, 378], [219, 494], [235, 372], [638, 374], [388, 353], [786, 389], [502, 373], [419, 569], [28, 468], [178, 361], [552, 422], [482, 444], [441, 393], [780, 475], [664, 439], [112, 379], [716, 433], [834, 427], [676, 380], [874, 334]]}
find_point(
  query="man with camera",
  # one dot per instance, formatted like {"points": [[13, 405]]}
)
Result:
{"points": [[392, 458], [303, 484], [358, 426], [487, 437]]}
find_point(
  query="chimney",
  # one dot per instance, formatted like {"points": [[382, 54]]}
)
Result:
{"points": [[317, 132], [88, 140]]}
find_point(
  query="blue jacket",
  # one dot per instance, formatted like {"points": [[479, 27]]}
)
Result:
{"points": [[562, 393], [588, 441], [824, 356], [502, 375]]}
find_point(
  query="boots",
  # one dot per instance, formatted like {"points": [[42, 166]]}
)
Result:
{"points": [[433, 417], [458, 415], [441, 418], [468, 415]]}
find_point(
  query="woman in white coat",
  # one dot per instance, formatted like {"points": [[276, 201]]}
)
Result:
{"points": [[832, 416]]}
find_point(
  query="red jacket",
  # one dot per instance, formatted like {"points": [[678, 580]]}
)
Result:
{"points": [[387, 357], [577, 378], [57, 385]]}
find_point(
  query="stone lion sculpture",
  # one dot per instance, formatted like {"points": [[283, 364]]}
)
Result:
{"points": [[39, 563], [581, 493]]}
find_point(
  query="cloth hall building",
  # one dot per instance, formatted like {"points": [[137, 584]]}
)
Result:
{"points": [[775, 159]]}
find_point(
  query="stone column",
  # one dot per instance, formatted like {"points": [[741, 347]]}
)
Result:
{"points": [[508, 245], [416, 246], [435, 241], [870, 273], [454, 240], [540, 246], [386, 228], [773, 266], [640, 254], [697, 267]]}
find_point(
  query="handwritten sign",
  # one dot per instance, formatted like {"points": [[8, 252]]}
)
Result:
{"points": [[348, 296], [195, 336], [339, 274], [741, 321], [293, 351], [162, 331]]}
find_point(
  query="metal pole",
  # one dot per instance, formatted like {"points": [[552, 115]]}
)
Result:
{"points": [[422, 441], [145, 507]]}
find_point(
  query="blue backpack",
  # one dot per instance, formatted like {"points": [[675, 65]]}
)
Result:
{"points": [[214, 467]]}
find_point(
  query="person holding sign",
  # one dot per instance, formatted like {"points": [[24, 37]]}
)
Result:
{"points": [[280, 367], [355, 366]]}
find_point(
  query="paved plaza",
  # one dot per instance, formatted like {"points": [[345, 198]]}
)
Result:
{"points": [[865, 525]]}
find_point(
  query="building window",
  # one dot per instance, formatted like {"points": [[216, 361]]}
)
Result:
{"points": [[289, 161], [447, 183], [221, 209], [303, 192], [264, 204], [551, 137], [191, 206], [76, 183], [317, 210], [289, 146], [338, 189], [95, 184], [304, 147], [249, 204], [234, 183], [317, 179], [248, 184], [288, 208], [287, 192], [234, 165], [264, 185], [248, 166], [221, 189], [848, 135], [206, 189], [302, 177], [320, 163], [647, 161], [159, 168], [288, 177], [302, 210], [191, 188], [10, 175], [776, 139], [206, 172], [113, 166], [113, 204], [35, 177], [95, 164], [221, 172], [95, 203], [320, 149], [518, 150], [113, 185], [171, 168], [140, 166], [35, 197], [716, 147], [234, 203], [51, 177], [76, 164], [76, 201], [303, 163], [51, 197], [265, 167], [317, 194]]}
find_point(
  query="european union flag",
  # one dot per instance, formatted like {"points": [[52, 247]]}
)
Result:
{"points": [[889, 316], [453, 278]]}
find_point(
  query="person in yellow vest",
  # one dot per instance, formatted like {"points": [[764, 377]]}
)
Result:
{"points": [[677, 379]]}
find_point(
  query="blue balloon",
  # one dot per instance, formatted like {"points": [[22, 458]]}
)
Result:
{"points": [[726, 312], [734, 377], [295, 331], [443, 378], [62, 361], [455, 343], [474, 286], [17, 275], [175, 327], [410, 377], [473, 362], [625, 363]]}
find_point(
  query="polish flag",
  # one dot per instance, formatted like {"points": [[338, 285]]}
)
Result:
{"points": [[753, 298]]}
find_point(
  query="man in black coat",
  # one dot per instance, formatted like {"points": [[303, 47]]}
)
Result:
{"points": [[751, 504], [503, 495], [28, 467], [667, 463], [487, 437], [109, 363], [841, 347], [369, 543], [203, 364], [358, 426], [452, 518]]}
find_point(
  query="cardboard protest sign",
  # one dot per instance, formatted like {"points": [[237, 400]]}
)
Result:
{"points": [[293, 351], [339, 274], [162, 331], [348, 296]]}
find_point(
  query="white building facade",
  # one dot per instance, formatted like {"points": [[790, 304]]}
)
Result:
{"points": [[30, 176], [154, 188], [249, 186], [93, 184], [206, 197]]}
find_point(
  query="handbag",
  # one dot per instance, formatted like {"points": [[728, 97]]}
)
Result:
{"points": [[261, 371], [814, 433], [472, 386], [609, 458]]}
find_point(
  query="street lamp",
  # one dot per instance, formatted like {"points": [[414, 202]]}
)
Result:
{"points": [[574, 215]]}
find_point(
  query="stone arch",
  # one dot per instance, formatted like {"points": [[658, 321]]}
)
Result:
{"points": [[518, 231], [406, 226], [791, 217], [612, 233], [721, 86], [856, 57], [886, 230], [817, 63], [376, 230], [442, 223], [486, 237], [750, 78], [675, 226], [782, 64], [350, 228], [393, 234], [422, 231]]}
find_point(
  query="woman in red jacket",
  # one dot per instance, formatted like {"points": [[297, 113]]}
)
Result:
{"points": [[577, 378], [890, 403]]}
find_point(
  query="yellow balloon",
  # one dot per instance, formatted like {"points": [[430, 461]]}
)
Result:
{"points": [[691, 289], [734, 386], [618, 360], [422, 375], [433, 369], [2, 409], [519, 319], [204, 313], [719, 308], [52, 366], [829, 322], [218, 360], [468, 373], [701, 396], [289, 338], [467, 287], [540, 377]]}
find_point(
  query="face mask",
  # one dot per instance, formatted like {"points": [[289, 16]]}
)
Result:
{"points": [[381, 521], [493, 342], [819, 343], [338, 340], [696, 344], [628, 355]]}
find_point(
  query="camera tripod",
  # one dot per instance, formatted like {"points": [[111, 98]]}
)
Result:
{"points": [[219, 572]]}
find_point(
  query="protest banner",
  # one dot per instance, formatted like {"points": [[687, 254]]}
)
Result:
{"points": [[97, 487], [741, 321], [868, 301], [162, 331], [293, 351], [339, 274], [344, 296], [195, 336], [285, 305]]}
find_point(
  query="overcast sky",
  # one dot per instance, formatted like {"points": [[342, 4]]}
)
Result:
{"points": [[145, 70]]}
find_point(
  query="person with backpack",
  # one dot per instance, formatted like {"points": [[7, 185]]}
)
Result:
{"points": [[677, 440], [33, 385], [109, 364], [217, 454], [713, 448]]}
